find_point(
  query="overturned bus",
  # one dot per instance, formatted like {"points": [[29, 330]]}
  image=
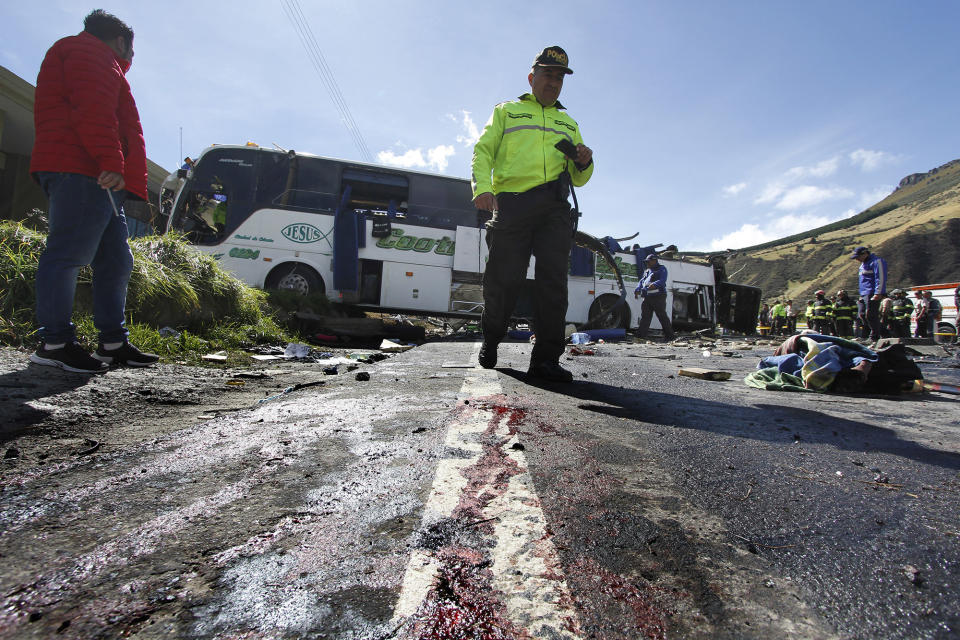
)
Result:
{"points": [[386, 239]]}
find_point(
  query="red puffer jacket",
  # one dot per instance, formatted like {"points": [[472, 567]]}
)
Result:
{"points": [[85, 117]]}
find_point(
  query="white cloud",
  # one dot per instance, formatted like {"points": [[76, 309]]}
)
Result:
{"points": [[782, 226], [436, 158], [734, 189], [770, 193], [871, 160], [820, 170], [472, 132], [809, 195]]}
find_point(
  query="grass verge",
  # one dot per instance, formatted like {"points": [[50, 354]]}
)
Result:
{"points": [[171, 287]]}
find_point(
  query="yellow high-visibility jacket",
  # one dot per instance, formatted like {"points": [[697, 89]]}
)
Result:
{"points": [[517, 148]]}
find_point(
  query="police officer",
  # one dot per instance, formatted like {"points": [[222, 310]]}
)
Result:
{"points": [[873, 285], [653, 289], [822, 312], [520, 176]]}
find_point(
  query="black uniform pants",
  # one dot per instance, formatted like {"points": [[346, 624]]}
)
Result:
{"points": [[655, 305], [873, 316], [537, 223]]}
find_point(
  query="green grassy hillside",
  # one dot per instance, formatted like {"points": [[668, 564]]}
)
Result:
{"points": [[916, 229]]}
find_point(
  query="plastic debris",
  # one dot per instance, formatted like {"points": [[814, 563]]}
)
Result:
{"points": [[219, 356], [394, 347], [297, 350], [169, 332], [580, 338]]}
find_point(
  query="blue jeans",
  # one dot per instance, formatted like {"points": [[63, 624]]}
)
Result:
{"points": [[84, 230]]}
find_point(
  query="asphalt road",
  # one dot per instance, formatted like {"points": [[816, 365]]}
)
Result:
{"points": [[440, 500]]}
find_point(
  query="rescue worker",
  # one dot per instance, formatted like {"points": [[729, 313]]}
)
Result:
{"points": [[844, 310], [653, 289], [808, 314], [523, 179], [764, 320], [778, 315], [873, 286], [822, 310], [901, 311], [886, 317]]}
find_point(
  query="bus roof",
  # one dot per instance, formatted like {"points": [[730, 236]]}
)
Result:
{"points": [[356, 163]]}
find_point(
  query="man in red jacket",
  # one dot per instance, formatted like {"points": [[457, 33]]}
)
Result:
{"points": [[88, 157]]}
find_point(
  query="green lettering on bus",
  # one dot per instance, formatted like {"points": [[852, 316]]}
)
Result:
{"points": [[302, 233]]}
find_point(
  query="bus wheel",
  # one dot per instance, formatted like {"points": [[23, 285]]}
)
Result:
{"points": [[619, 318], [294, 276], [946, 334]]}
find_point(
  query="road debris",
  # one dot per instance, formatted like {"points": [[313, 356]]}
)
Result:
{"points": [[704, 374]]}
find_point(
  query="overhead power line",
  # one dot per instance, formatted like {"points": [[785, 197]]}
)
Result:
{"points": [[295, 14]]}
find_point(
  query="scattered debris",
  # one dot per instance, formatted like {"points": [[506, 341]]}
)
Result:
{"points": [[390, 346], [704, 374], [219, 356], [912, 574], [363, 376]]}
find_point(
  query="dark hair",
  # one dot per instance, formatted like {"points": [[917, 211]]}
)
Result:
{"points": [[107, 26]]}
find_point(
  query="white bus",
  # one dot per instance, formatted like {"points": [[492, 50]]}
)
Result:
{"points": [[386, 239]]}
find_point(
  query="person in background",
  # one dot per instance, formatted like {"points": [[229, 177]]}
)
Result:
{"points": [[88, 156], [652, 288], [778, 315], [764, 320], [822, 313], [791, 318], [901, 311], [524, 180], [919, 315], [844, 311], [808, 314], [886, 317], [934, 313], [873, 286]]}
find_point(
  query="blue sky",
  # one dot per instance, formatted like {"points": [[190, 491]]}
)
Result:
{"points": [[714, 124]]}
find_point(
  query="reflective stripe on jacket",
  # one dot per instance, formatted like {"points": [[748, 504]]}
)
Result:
{"points": [[902, 309], [844, 311], [822, 310], [517, 148]]}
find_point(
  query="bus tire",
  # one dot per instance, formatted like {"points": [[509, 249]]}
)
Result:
{"points": [[946, 333], [619, 319], [294, 276]]}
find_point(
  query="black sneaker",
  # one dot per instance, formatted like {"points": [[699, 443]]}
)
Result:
{"points": [[70, 357], [549, 371], [126, 355], [488, 355]]}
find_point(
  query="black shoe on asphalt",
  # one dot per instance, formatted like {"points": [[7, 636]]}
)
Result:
{"points": [[126, 355], [488, 355], [549, 371], [70, 357]]}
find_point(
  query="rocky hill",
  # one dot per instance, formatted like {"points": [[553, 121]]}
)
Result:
{"points": [[916, 229]]}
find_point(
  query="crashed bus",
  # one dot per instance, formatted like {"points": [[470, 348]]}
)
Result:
{"points": [[392, 240]]}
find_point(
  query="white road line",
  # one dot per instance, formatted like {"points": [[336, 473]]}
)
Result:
{"points": [[526, 569]]}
